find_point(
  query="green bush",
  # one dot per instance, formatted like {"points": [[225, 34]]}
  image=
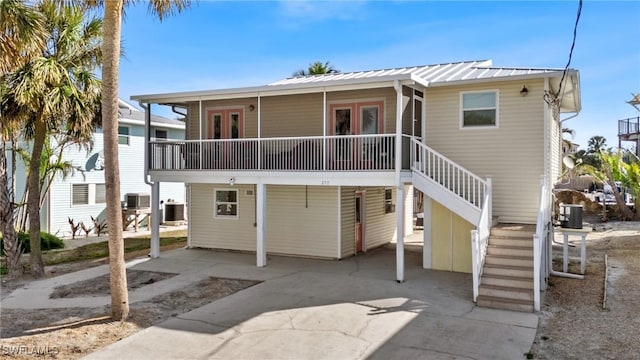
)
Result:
{"points": [[48, 241]]}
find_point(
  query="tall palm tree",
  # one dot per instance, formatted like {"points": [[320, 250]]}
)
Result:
{"points": [[110, 66], [317, 68], [56, 90], [22, 35]]}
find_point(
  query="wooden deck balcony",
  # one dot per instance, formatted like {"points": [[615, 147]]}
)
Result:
{"points": [[313, 153]]}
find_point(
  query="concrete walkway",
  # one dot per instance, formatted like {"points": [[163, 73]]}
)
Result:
{"points": [[311, 309]]}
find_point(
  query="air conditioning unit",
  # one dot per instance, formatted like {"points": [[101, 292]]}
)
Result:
{"points": [[173, 212], [137, 200]]}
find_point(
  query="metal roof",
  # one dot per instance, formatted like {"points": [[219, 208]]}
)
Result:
{"points": [[428, 75]]}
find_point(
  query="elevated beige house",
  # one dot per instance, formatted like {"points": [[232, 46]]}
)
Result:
{"points": [[326, 166]]}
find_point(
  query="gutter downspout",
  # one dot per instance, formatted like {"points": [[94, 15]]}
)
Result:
{"points": [[155, 187]]}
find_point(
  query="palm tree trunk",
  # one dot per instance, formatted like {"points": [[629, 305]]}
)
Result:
{"points": [[110, 65], [11, 245], [33, 201]]}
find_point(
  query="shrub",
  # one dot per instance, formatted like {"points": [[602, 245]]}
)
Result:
{"points": [[48, 241]]}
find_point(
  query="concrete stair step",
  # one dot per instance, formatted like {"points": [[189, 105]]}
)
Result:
{"points": [[496, 259], [516, 232], [504, 304], [506, 292], [507, 281], [508, 270], [510, 250], [508, 241]]}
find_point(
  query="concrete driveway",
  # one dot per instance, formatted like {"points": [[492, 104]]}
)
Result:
{"points": [[317, 309]]}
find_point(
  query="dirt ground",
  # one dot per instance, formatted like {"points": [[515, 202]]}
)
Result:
{"points": [[575, 321], [72, 333]]}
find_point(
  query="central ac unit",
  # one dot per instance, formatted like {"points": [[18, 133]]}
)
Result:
{"points": [[137, 200], [174, 212]]}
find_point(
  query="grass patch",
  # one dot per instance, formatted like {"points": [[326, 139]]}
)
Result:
{"points": [[101, 250]]}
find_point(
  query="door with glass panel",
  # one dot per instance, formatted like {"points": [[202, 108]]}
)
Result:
{"points": [[349, 122], [224, 125]]}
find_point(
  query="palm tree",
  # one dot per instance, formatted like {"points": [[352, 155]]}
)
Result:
{"points": [[317, 68], [110, 66], [56, 90], [22, 35], [596, 143]]}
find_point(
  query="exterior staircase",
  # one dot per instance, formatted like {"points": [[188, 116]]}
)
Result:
{"points": [[507, 276]]}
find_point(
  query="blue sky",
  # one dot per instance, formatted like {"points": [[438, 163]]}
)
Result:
{"points": [[217, 45]]}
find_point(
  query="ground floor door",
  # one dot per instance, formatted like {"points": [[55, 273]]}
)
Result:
{"points": [[359, 223]]}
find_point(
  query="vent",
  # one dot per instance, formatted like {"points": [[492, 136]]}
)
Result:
{"points": [[174, 212], [249, 193]]}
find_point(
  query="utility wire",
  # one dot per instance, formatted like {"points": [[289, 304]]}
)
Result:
{"points": [[573, 44]]}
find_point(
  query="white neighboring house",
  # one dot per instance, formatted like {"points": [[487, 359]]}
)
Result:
{"points": [[82, 196]]}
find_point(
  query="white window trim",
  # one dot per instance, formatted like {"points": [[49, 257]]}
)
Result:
{"points": [[215, 205], [128, 136], [91, 195], [479, 127], [391, 202]]}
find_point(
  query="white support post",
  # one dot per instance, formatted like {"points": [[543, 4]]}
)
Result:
{"points": [[400, 234], [154, 224], [261, 249], [426, 249]]}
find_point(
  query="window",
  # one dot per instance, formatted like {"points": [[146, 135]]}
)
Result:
{"points": [[123, 135], [226, 204], [101, 194], [80, 194], [388, 201], [161, 134], [88, 194], [479, 109]]}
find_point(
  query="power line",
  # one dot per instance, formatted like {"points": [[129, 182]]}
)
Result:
{"points": [[573, 44]]}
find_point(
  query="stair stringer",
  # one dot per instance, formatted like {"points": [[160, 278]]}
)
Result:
{"points": [[446, 197]]}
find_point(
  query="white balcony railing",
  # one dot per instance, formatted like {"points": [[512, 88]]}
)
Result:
{"points": [[313, 153]]}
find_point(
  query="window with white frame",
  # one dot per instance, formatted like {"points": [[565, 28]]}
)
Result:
{"points": [[161, 134], [88, 194], [479, 109], [226, 204], [389, 207], [123, 135]]}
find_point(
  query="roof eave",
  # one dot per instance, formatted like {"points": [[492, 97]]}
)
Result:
{"points": [[272, 90]]}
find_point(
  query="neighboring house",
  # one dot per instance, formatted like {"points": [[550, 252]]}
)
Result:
{"points": [[325, 166], [82, 195]]}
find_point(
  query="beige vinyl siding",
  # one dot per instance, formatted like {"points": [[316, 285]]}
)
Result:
{"points": [[210, 232], [249, 120], [450, 240], [380, 228], [512, 154], [302, 222], [388, 95], [556, 151], [292, 115], [348, 220], [192, 122]]}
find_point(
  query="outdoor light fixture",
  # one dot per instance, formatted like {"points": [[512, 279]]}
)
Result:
{"points": [[252, 107], [524, 91], [232, 181]]}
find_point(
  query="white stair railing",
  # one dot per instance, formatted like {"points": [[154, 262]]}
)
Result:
{"points": [[448, 174], [541, 242], [480, 241]]}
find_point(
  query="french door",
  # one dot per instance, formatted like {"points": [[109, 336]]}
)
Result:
{"points": [[224, 124], [360, 118]]}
